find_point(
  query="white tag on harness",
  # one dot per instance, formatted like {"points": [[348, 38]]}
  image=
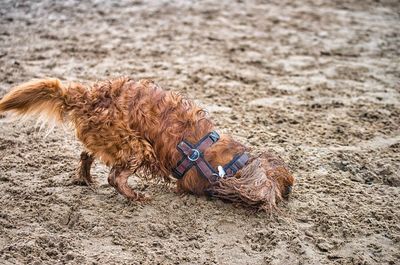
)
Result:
{"points": [[221, 172]]}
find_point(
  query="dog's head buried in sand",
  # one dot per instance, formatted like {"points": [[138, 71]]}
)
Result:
{"points": [[137, 127]]}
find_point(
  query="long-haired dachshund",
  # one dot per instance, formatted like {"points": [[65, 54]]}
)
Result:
{"points": [[137, 127]]}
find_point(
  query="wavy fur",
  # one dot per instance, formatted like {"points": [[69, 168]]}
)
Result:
{"points": [[134, 126]]}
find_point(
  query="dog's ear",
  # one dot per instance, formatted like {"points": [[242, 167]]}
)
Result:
{"points": [[250, 186], [262, 183]]}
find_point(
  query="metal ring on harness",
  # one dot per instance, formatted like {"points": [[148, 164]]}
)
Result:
{"points": [[194, 155]]}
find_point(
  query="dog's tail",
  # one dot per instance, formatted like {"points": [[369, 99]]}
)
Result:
{"points": [[38, 97]]}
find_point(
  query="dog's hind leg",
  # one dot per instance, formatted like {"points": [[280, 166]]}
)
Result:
{"points": [[118, 178], [82, 175]]}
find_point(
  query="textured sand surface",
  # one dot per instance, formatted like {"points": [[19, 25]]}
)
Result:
{"points": [[316, 81]]}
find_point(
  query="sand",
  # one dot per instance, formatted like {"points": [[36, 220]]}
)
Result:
{"points": [[315, 81]]}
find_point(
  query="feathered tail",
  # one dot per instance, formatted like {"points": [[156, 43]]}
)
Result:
{"points": [[37, 97]]}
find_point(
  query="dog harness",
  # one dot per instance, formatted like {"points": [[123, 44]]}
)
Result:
{"points": [[193, 155]]}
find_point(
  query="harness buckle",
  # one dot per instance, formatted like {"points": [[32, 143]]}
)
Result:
{"points": [[194, 155]]}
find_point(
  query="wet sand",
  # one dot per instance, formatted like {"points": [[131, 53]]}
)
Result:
{"points": [[315, 81]]}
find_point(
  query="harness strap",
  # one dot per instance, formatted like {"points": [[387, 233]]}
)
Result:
{"points": [[237, 163], [194, 156]]}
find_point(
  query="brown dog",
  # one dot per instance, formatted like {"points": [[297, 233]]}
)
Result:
{"points": [[135, 126]]}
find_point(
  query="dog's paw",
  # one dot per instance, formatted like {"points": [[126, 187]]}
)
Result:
{"points": [[142, 198], [93, 184]]}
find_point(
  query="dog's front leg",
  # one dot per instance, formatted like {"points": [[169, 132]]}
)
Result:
{"points": [[82, 175], [118, 178]]}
